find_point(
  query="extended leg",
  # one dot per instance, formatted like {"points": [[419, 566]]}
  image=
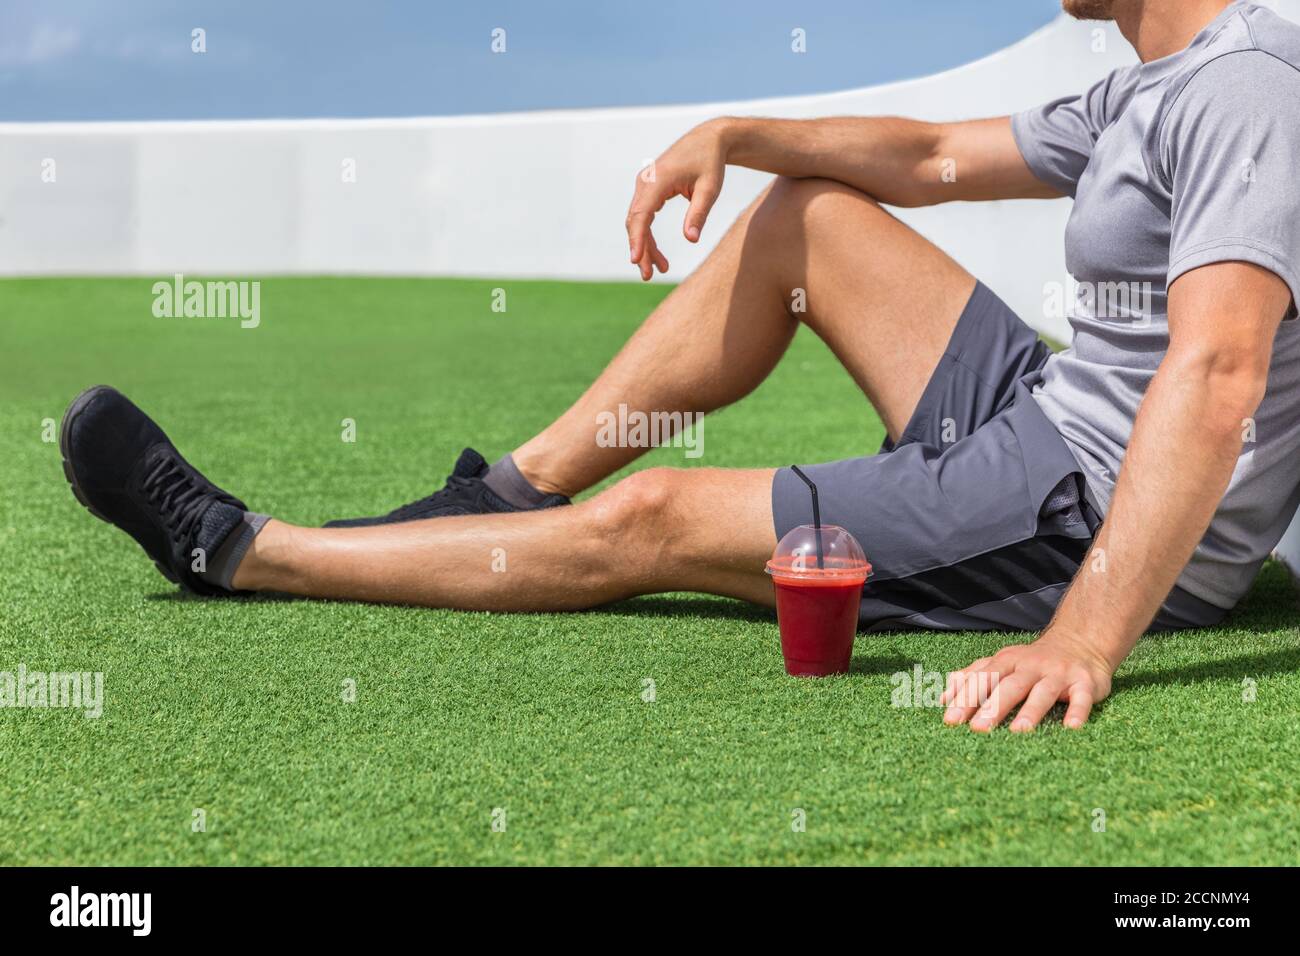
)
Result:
{"points": [[702, 529]]}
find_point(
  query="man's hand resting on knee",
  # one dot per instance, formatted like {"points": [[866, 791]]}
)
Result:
{"points": [[692, 167], [895, 161]]}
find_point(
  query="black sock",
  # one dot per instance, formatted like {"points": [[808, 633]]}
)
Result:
{"points": [[507, 481], [221, 566]]}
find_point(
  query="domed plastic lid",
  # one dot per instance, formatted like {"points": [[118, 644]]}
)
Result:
{"points": [[838, 559]]}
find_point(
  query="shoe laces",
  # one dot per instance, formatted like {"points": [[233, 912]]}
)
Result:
{"points": [[453, 482], [460, 481], [179, 499]]}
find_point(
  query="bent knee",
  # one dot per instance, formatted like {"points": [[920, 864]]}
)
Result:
{"points": [[813, 201]]}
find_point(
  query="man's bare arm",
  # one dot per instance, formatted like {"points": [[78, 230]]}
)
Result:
{"points": [[900, 162], [1185, 444]]}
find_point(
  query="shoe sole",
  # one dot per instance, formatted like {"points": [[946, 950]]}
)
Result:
{"points": [[69, 417]]}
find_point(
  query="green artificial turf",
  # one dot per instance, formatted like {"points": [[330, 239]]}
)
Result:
{"points": [[235, 707]]}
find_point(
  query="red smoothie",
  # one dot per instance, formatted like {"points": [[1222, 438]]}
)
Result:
{"points": [[818, 573], [818, 619]]}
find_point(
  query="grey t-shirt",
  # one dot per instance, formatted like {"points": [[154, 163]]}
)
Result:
{"points": [[1174, 164]]}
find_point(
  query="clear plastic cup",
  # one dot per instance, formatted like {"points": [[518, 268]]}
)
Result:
{"points": [[817, 600]]}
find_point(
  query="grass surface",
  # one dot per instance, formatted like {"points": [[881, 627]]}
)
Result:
{"points": [[235, 707]]}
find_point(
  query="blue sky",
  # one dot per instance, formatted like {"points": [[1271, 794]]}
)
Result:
{"points": [[96, 59]]}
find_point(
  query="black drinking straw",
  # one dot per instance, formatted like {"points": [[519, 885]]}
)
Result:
{"points": [[817, 515]]}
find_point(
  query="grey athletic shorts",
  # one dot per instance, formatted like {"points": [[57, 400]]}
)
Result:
{"points": [[976, 518]]}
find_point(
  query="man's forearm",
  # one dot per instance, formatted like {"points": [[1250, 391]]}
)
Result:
{"points": [[1184, 447], [889, 159], [901, 162]]}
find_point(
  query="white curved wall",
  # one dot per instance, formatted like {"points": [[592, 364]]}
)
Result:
{"points": [[515, 195], [511, 195]]}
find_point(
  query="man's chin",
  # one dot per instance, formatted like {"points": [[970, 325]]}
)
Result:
{"points": [[1089, 9]]}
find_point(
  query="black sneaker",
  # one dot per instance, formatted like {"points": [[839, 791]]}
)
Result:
{"points": [[464, 494], [124, 470]]}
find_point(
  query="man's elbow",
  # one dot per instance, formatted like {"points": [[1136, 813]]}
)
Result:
{"points": [[929, 179], [1233, 381]]}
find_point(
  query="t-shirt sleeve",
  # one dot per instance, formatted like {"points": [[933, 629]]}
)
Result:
{"points": [[1056, 139], [1230, 148]]}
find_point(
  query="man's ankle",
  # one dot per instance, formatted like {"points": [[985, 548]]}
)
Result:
{"points": [[264, 557], [532, 469], [229, 555]]}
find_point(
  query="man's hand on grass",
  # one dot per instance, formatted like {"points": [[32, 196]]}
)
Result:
{"points": [[1056, 667], [692, 167]]}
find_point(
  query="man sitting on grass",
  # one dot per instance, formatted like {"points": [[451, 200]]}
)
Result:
{"points": [[1177, 422]]}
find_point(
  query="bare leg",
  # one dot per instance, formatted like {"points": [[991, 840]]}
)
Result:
{"points": [[701, 529], [882, 297]]}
